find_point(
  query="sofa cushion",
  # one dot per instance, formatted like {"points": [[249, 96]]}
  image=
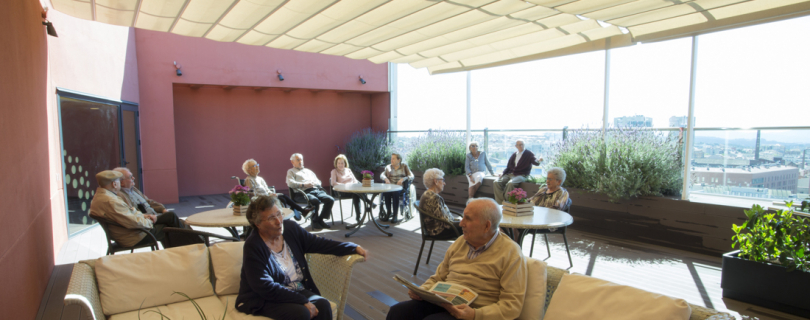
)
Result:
{"points": [[226, 258], [584, 297], [126, 281], [211, 307], [230, 302], [535, 298]]}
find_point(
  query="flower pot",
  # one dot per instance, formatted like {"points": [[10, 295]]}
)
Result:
{"points": [[521, 209], [765, 284], [367, 182], [240, 210]]}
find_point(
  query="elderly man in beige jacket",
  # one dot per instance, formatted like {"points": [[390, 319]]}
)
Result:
{"points": [[484, 260], [135, 197], [108, 205]]}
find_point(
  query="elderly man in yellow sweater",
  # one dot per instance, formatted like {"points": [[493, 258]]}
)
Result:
{"points": [[483, 259]]}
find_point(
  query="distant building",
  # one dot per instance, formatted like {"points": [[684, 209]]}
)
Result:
{"points": [[633, 121], [774, 177], [679, 122], [804, 186]]}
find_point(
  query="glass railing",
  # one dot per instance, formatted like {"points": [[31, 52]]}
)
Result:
{"points": [[724, 167]]}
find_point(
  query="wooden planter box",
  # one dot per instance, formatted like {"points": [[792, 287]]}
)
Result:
{"points": [[766, 285]]}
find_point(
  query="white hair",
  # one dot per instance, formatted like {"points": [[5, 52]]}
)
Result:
{"points": [[246, 165], [489, 211], [301, 156], [123, 170], [430, 176], [520, 140], [558, 173], [473, 143]]}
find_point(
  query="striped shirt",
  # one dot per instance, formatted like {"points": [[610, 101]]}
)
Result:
{"points": [[473, 252], [554, 200]]}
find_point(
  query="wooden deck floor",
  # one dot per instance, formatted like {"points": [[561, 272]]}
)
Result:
{"points": [[693, 277]]}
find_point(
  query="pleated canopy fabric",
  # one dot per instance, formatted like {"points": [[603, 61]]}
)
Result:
{"points": [[444, 36]]}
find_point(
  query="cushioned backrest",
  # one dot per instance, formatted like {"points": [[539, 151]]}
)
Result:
{"points": [[226, 258], [584, 297], [535, 297], [126, 281]]}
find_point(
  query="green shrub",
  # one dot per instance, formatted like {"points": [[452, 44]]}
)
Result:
{"points": [[772, 237], [621, 163], [438, 149], [367, 150]]}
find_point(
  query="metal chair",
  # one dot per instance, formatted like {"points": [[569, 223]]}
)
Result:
{"points": [[404, 201], [425, 237], [176, 237], [339, 196], [113, 246], [545, 232]]}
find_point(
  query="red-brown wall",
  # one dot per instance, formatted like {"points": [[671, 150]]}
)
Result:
{"points": [[216, 130], [211, 63], [26, 240]]}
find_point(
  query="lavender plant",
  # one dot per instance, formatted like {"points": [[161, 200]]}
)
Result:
{"points": [[621, 163], [367, 150], [438, 149]]}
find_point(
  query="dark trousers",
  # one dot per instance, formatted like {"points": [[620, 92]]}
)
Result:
{"points": [[356, 204], [169, 219], [393, 197], [316, 198], [284, 311], [414, 309], [288, 202]]}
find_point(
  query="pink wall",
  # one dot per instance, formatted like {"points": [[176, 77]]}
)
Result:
{"points": [[216, 130], [26, 245], [231, 64]]}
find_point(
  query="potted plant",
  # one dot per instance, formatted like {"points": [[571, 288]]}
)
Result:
{"points": [[517, 203], [368, 177], [240, 199], [368, 150], [772, 266]]}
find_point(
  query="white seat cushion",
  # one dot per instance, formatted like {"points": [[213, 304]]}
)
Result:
{"points": [[230, 301], [535, 298], [584, 297], [226, 258], [211, 306], [126, 281]]}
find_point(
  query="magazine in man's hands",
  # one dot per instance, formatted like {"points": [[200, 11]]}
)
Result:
{"points": [[441, 292]]}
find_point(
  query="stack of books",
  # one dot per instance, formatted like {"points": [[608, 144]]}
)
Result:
{"points": [[523, 209]]}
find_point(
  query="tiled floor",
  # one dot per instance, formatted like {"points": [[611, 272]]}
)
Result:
{"points": [[681, 274]]}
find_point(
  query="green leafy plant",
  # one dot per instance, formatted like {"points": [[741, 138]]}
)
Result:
{"points": [[539, 180], [240, 196], [621, 163], [196, 306], [774, 237], [367, 150], [439, 149]]}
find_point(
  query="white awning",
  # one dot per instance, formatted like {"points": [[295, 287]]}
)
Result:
{"points": [[444, 36]]}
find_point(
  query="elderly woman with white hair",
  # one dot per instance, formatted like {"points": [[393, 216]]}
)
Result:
{"points": [[552, 195], [260, 188], [474, 166], [432, 204]]}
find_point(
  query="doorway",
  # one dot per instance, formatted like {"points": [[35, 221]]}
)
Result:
{"points": [[97, 134]]}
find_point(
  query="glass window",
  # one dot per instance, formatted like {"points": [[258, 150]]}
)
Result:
{"points": [[649, 84], [430, 102]]}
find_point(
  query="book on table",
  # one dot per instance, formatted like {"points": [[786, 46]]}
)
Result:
{"points": [[441, 292]]}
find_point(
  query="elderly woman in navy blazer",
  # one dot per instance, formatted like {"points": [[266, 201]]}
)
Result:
{"points": [[275, 280]]}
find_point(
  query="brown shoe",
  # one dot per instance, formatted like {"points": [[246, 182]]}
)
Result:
{"points": [[307, 210]]}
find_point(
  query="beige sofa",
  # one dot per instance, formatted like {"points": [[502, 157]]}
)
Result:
{"points": [[554, 275], [142, 285]]}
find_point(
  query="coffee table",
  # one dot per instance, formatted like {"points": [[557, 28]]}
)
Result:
{"points": [[544, 221], [223, 218], [374, 190]]}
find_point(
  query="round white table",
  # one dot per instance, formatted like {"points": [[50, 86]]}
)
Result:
{"points": [[373, 190], [222, 218], [543, 221]]}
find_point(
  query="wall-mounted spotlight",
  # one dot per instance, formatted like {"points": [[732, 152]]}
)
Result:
{"points": [[48, 25], [362, 81], [280, 76], [177, 66]]}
